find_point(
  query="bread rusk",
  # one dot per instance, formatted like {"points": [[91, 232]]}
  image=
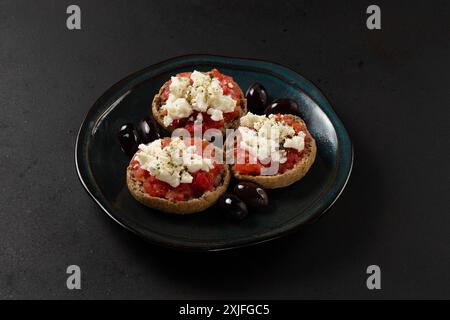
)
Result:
{"points": [[290, 176], [137, 186], [158, 101], [179, 207]]}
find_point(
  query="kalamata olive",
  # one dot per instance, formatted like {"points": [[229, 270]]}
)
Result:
{"points": [[147, 130], [283, 106], [252, 194], [256, 98], [128, 139], [233, 207]]}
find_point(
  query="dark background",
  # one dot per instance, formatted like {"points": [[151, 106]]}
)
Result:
{"points": [[389, 87]]}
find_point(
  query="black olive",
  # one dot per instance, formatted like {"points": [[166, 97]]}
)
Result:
{"points": [[128, 139], [283, 106], [256, 98], [252, 194], [233, 207], [148, 130]]}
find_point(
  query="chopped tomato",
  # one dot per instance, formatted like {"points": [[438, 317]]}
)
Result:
{"points": [[165, 94], [141, 174], [293, 156], [134, 163], [229, 87], [190, 127], [289, 121], [155, 188], [230, 116], [184, 74], [217, 168], [216, 73], [208, 123], [202, 181], [179, 123], [248, 168], [165, 142]]}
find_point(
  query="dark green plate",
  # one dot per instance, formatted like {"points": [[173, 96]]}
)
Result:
{"points": [[101, 164]]}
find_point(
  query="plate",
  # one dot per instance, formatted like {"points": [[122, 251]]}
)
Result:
{"points": [[101, 164]]}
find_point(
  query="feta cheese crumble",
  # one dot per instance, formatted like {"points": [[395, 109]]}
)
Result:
{"points": [[205, 94], [173, 163], [266, 138]]}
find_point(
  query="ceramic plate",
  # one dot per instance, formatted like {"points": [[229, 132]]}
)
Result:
{"points": [[101, 164]]}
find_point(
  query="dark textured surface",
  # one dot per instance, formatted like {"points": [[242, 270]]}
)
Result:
{"points": [[389, 87]]}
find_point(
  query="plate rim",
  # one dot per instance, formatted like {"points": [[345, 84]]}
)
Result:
{"points": [[259, 238]]}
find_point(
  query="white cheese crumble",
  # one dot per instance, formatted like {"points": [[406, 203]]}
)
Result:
{"points": [[204, 95], [297, 142], [174, 163], [267, 138], [177, 109]]}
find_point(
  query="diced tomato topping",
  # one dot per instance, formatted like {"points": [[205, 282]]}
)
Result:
{"points": [[202, 181], [189, 127], [216, 73], [207, 123], [293, 156], [216, 169], [165, 94], [248, 168], [229, 87], [141, 174], [134, 162], [289, 121], [230, 116], [154, 187], [165, 142], [184, 74]]}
